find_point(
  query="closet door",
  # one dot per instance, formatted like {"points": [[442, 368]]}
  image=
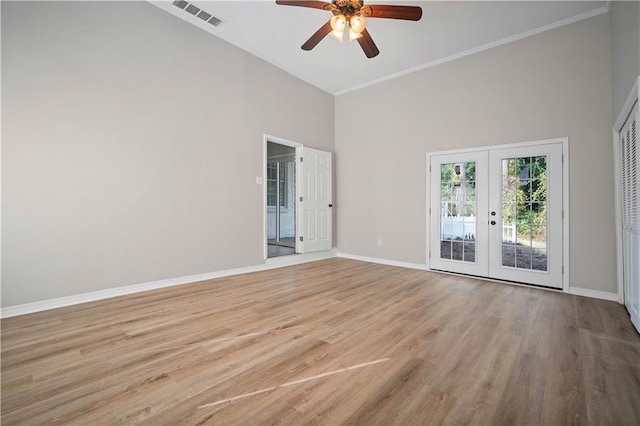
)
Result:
{"points": [[628, 152]]}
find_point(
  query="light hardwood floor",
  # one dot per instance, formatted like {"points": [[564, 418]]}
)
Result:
{"points": [[330, 342]]}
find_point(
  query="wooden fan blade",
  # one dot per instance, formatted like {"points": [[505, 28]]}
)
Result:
{"points": [[409, 13], [308, 3], [317, 36], [367, 44]]}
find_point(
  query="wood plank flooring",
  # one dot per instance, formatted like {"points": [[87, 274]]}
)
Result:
{"points": [[330, 342]]}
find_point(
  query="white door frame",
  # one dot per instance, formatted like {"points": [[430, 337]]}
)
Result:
{"points": [[298, 185], [632, 98], [565, 195]]}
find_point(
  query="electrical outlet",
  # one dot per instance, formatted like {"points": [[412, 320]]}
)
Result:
{"points": [[379, 241]]}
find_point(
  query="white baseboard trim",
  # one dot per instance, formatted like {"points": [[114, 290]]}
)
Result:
{"points": [[60, 302], [596, 294], [383, 261], [278, 262]]}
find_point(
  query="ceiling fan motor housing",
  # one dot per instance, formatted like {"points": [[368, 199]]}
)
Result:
{"points": [[348, 8]]}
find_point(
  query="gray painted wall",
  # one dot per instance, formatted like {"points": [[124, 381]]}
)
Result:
{"points": [[625, 49], [554, 84], [130, 145], [130, 155]]}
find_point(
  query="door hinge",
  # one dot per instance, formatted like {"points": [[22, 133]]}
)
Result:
{"points": [[301, 238], [562, 269], [563, 214], [429, 254], [301, 159], [300, 198], [429, 169], [429, 211]]}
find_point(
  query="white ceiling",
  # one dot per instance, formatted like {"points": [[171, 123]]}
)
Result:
{"points": [[447, 30]]}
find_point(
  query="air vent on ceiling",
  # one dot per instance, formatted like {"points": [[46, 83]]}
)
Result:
{"points": [[192, 9], [196, 11], [216, 22], [180, 3], [204, 15]]}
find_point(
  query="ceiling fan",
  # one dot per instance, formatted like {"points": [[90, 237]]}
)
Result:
{"points": [[349, 16]]}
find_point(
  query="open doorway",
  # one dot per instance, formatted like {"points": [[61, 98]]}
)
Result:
{"points": [[281, 199]]}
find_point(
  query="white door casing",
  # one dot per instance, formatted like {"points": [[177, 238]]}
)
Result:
{"points": [[316, 201]]}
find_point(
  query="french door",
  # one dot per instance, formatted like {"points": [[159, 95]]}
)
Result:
{"points": [[498, 213]]}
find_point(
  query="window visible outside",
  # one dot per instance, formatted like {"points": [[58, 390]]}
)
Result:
{"points": [[273, 182]]}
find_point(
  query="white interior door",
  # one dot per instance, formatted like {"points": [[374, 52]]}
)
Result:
{"points": [[316, 201], [498, 213]]}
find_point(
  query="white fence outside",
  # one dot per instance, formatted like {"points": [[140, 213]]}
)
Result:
{"points": [[464, 227], [508, 232]]}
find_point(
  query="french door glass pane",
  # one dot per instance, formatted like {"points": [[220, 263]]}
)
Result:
{"points": [[458, 211], [287, 216], [524, 213]]}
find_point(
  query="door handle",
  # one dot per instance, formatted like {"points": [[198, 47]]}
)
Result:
{"points": [[493, 222], [330, 205]]}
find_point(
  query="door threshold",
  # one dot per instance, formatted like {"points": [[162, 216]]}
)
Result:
{"points": [[287, 245], [497, 280], [298, 258]]}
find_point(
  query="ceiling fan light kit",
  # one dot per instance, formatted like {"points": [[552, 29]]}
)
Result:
{"points": [[349, 16], [338, 24]]}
